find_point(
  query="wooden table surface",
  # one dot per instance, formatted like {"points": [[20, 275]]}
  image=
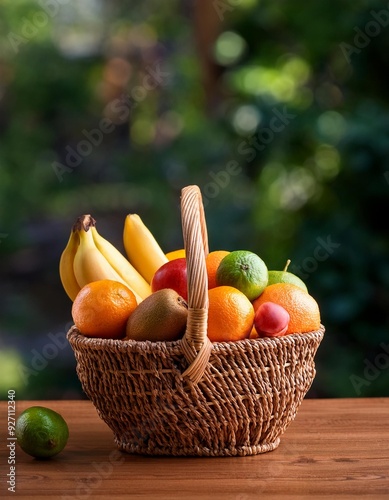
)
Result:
{"points": [[336, 448]]}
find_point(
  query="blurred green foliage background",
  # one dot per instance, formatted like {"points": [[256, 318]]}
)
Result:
{"points": [[278, 110]]}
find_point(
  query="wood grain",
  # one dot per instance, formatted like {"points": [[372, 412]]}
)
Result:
{"points": [[334, 447]]}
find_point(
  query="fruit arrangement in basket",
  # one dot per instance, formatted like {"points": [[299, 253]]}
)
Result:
{"points": [[188, 352], [143, 295]]}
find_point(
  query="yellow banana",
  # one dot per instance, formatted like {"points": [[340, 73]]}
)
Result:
{"points": [[121, 265], [66, 271], [141, 247], [89, 264]]}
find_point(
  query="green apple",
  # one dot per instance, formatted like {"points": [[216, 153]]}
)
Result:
{"points": [[286, 277]]}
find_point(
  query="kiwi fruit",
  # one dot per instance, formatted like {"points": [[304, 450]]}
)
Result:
{"points": [[161, 316]]}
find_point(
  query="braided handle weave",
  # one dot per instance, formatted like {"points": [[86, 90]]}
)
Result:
{"points": [[196, 345]]}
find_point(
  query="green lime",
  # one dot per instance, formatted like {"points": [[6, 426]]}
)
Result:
{"points": [[41, 432], [245, 271], [286, 277]]}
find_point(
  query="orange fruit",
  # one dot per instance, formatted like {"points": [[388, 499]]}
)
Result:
{"points": [[102, 308], [230, 314], [302, 308], [253, 333], [212, 262], [176, 254]]}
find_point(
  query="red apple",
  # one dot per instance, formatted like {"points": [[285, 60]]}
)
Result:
{"points": [[271, 320], [172, 274]]}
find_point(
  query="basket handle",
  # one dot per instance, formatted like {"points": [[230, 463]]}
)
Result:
{"points": [[196, 345]]}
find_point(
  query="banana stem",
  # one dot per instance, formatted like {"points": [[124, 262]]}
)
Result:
{"points": [[84, 222], [286, 265]]}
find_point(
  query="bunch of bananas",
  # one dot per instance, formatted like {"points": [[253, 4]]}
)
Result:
{"points": [[89, 257]]}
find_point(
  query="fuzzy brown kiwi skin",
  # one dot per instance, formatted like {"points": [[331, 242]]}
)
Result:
{"points": [[162, 316]]}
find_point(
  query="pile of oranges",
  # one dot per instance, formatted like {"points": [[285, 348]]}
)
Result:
{"points": [[103, 307]]}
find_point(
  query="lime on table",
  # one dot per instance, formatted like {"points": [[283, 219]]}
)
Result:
{"points": [[245, 271], [41, 432]]}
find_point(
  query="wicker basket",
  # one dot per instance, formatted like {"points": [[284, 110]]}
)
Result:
{"points": [[192, 397]]}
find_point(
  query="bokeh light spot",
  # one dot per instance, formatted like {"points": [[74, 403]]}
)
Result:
{"points": [[229, 48], [142, 131], [327, 161], [10, 374], [331, 125], [246, 119], [297, 69]]}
